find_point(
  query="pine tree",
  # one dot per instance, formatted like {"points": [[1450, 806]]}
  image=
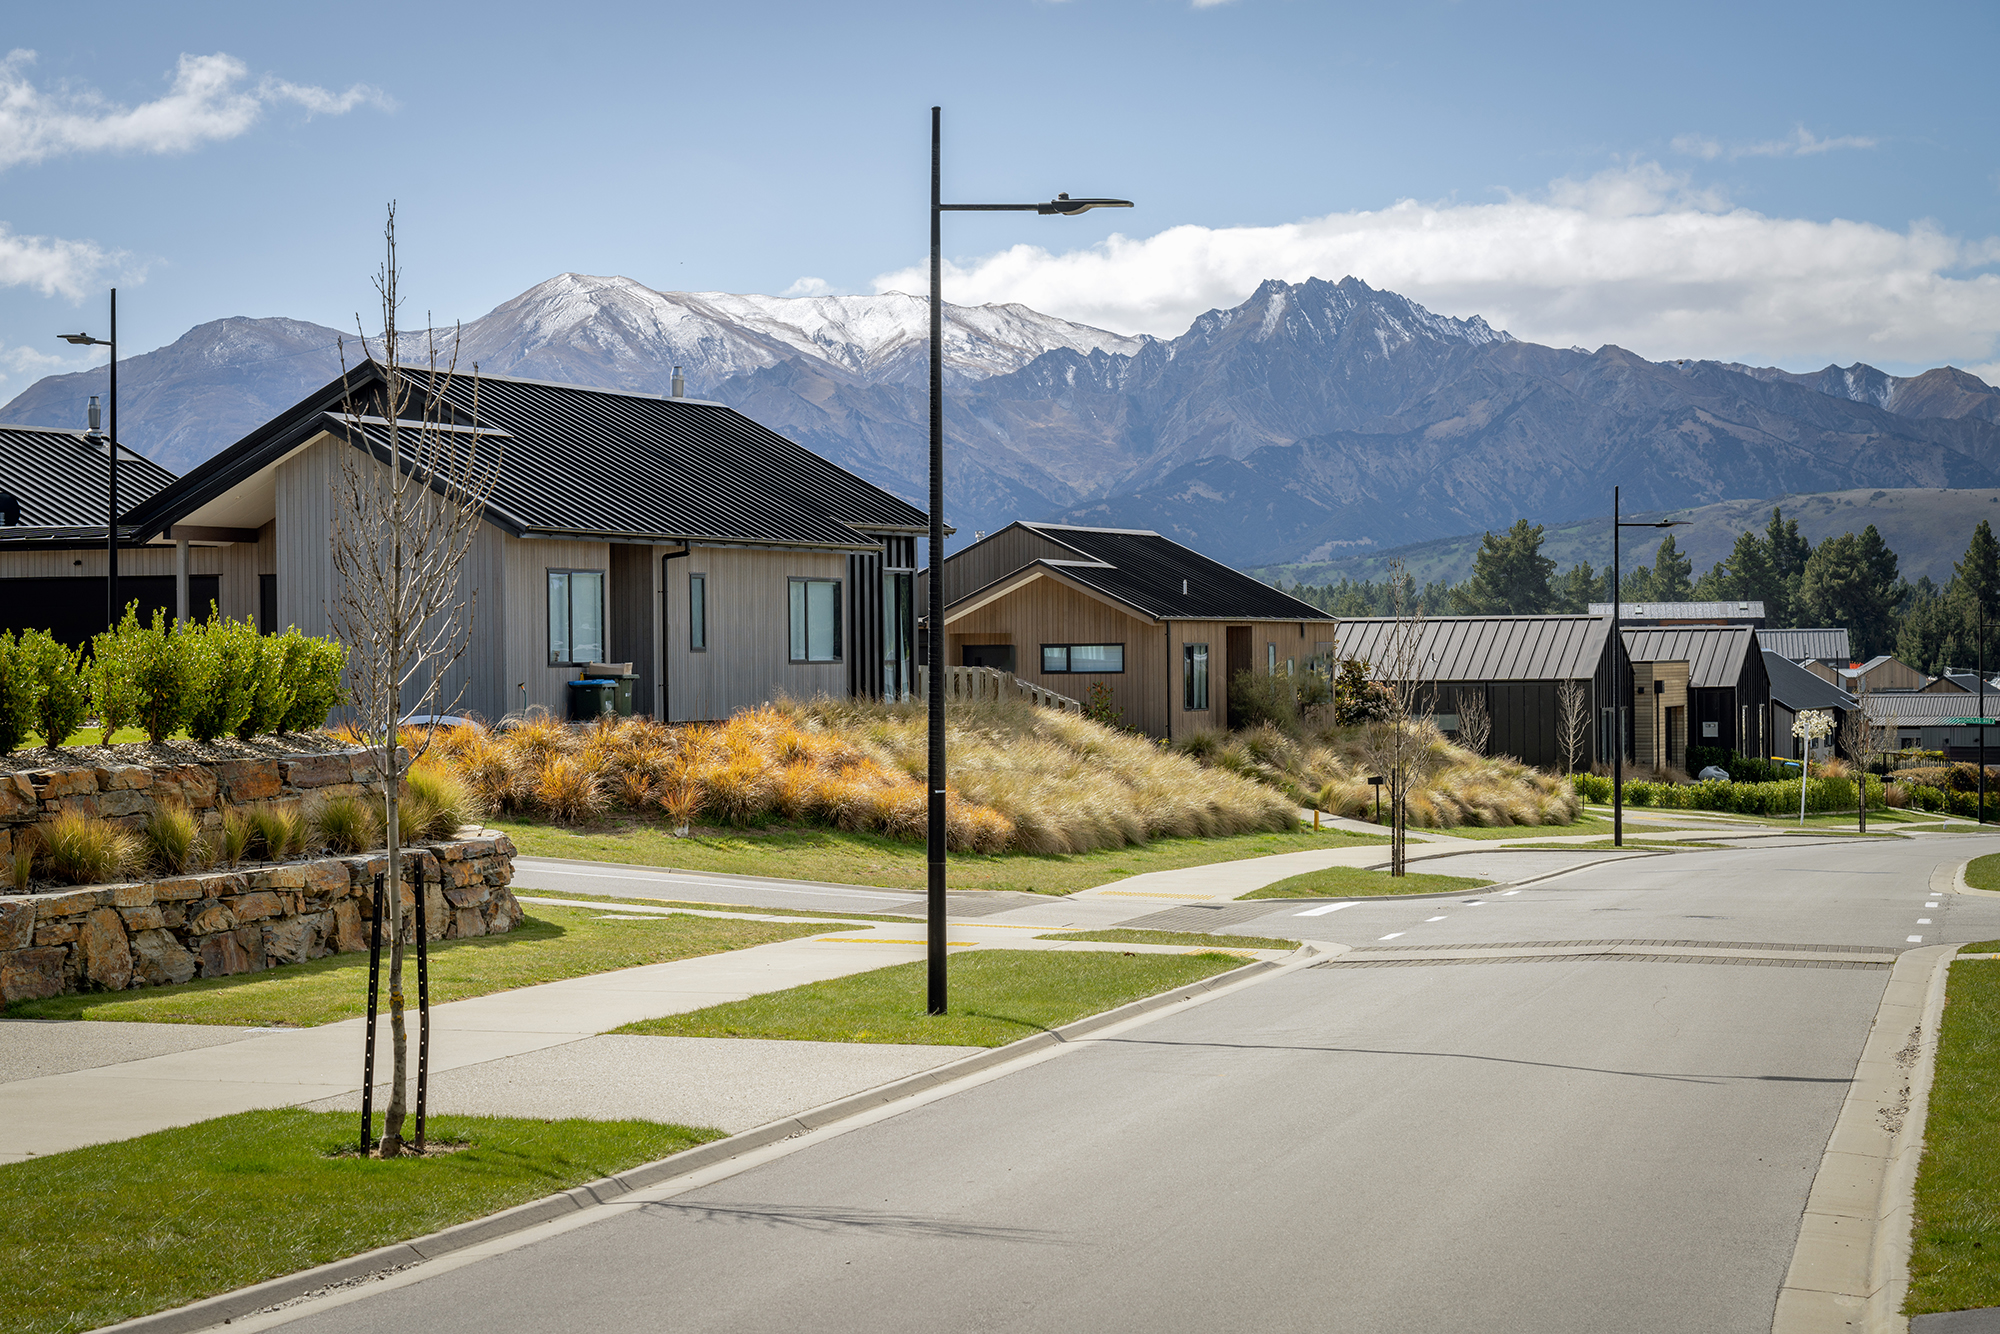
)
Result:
{"points": [[1786, 554], [1671, 571], [1510, 576], [1580, 586], [1851, 581]]}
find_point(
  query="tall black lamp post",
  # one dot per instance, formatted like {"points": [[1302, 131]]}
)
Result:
{"points": [[111, 504], [1623, 704], [1063, 206]]}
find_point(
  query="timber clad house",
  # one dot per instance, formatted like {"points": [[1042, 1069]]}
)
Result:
{"points": [[1165, 628], [726, 563], [1719, 671]]}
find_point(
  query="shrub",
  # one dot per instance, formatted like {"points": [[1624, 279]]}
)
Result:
{"points": [[1640, 794], [164, 676], [114, 690], [567, 789], [1259, 699], [63, 695], [226, 656], [173, 836], [446, 796], [311, 675], [83, 851], [1895, 796], [1591, 787], [18, 684], [345, 825], [1099, 708], [271, 692]]}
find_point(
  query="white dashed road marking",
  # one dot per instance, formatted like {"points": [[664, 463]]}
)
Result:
{"points": [[1391, 936], [1915, 940], [1921, 921], [1323, 910], [1433, 919]]}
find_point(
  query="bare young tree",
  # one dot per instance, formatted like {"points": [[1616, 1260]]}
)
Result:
{"points": [[1475, 721], [1862, 739], [408, 506], [1572, 722], [1402, 746]]}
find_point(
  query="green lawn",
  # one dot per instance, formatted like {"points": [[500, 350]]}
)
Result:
{"points": [[1128, 936], [1955, 1243], [1584, 824], [101, 1234], [997, 997], [1347, 882], [1984, 872], [552, 944], [835, 857], [618, 901]]}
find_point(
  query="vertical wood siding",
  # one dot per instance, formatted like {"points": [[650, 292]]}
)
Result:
{"points": [[747, 661], [523, 627], [995, 558], [1048, 612]]}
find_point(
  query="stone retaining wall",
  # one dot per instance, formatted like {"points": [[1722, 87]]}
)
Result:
{"points": [[212, 924], [129, 794]]}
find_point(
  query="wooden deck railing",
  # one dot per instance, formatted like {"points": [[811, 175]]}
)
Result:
{"points": [[977, 683]]}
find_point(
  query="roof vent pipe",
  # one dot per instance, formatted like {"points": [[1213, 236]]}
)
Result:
{"points": [[1183, 588], [680, 384]]}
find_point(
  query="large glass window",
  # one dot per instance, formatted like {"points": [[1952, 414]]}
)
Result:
{"points": [[898, 680], [815, 620], [1063, 658], [1194, 676], [697, 611], [576, 617]]}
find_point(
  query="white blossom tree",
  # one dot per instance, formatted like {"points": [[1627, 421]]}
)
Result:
{"points": [[1811, 726]]}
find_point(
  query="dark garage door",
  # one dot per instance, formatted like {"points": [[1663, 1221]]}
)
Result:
{"points": [[73, 609]]}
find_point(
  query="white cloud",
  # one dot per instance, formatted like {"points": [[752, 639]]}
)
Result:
{"points": [[809, 287], [1634, 256], [26, 364], [51, 265], [1802, 143], [210, 99]]}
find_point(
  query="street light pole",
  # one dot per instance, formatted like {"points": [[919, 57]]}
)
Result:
{"points": [[111, 499], [1621, 683], [1063, 206]]}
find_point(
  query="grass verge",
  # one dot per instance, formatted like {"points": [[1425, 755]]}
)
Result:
{"points": [[1348, 882], [1983, 872], [552, 944], [1583, 824], [618, 901], [101, 1234], [840, 858], [1955, 1242], [997, 997], [1128, 936]]}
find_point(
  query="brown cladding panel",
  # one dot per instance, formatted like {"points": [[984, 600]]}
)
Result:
{"points": [[1046, 611], [995, 558]]}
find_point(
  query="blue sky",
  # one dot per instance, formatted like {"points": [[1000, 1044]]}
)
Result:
{"points": [[1793, 184]]}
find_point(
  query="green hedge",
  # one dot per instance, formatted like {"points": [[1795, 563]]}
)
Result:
{"points": [[1778, 798], [211, 679]]}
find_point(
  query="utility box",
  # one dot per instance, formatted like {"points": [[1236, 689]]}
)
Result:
{"points": [[590, 699]]}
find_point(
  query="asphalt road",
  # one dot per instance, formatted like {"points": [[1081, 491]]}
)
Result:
{"points": [[1579, 1145]]}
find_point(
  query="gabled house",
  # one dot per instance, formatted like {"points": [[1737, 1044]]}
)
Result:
{"points": [[726, 563], [1516, 666], [1814, 644], [1684, 613], [1881, 672], [54, 495], [1793, 691], [1162, 626], [1920, 720], [1728, 691]]}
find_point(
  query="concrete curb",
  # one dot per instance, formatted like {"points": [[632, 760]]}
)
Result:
{"points": [[1958, 885], [210, 1312], [1851, 1265], [1495, 888]]}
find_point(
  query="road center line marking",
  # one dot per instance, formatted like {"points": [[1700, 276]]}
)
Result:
{"points": [[1930, 905], [1391, 936], [1323, 910], [1433, 919], [1506, 892], [1923, 921], [1915, 940]]}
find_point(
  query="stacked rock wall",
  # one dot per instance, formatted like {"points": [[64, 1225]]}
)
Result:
{"points": [[215, 923]]}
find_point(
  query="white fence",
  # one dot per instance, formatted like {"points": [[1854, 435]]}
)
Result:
{"points": [[977, 683]]}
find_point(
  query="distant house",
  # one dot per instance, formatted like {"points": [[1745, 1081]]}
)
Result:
{"points": [[1685, 613], [1921, 720], [1728, 691], [54, 493], [1793, 691], [1822, 644], [1949, 682], [1881, 672], [1516, 666], [726, 563], [1163, 627]]}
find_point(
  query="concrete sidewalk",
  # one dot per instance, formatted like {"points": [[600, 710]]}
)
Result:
{"points": [[176, 1074]]}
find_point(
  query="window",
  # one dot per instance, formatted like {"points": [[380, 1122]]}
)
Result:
{"points": [[697, 611], [576, 617], [1061, 658], [1270, 659], [815, 620], [1194, 676]]}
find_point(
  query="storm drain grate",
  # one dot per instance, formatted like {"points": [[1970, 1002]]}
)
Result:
{"points": [[1607, 958]]}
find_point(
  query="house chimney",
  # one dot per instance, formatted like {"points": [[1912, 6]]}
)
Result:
{"points": [[680, 384]]}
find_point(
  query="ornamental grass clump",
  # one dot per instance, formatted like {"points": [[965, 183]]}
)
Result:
{"points": [[79, 850], [568, 791], [232, 843], [27, 843], [447, 798], [173, 837], [345, 825], [280, 829]]}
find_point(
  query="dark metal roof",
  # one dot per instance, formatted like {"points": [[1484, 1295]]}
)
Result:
{"points": [[60, 480], [1796, 688], [1715, 654], [1147, 572], [1827, 643], [585, 462], [1488, 648], [1682, 611], [1915, 706]]}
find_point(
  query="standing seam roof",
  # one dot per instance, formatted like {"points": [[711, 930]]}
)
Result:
{"points": [[1145, 570], [61, 477], [1715, 654], [1489, 648]]}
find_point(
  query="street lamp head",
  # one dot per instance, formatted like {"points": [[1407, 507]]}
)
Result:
{"points": [[80, 339], [1069, 208]]}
